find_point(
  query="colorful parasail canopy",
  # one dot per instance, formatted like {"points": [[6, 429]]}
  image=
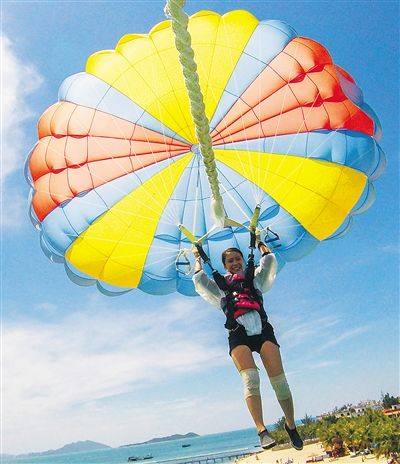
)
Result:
{"points": [[117, 165]]}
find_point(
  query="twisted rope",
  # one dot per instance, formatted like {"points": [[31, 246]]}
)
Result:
{"points": [[179, 20]]}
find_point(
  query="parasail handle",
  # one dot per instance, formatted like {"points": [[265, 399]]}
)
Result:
{"points": [[253, 228]]}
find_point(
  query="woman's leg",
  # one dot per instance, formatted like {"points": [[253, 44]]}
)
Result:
{"points": [[271, 358], [243, 359]]}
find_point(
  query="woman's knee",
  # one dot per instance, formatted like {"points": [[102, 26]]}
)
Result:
{"points": [[281, 387], [251, 382]]}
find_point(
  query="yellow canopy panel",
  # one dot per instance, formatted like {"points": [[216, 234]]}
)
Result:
{"points": [[147, 70], [319, 194], [114, 248]]}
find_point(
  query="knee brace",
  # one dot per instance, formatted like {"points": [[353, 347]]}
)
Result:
{"points": [[251, 382], [281, 387]]}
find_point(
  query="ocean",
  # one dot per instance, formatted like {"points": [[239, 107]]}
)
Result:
{"points": [[169, 452]]}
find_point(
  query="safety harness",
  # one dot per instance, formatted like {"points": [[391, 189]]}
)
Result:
{"points": [[241, 297], [240, 294]]}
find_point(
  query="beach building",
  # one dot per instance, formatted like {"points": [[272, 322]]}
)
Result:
{"points": [[393, 411], [352, 410]]}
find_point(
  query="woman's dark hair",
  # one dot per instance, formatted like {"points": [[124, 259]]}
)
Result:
{"points": [[230, 250]]}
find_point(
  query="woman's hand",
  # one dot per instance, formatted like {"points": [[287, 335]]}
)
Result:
{"points": [[197, 265], [262, 247]]}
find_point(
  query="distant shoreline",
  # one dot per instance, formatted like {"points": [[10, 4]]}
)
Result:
{"points": [[86, 446], [161, 439]]}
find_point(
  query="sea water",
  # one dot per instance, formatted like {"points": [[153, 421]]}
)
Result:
{"points": [[168, 452]]}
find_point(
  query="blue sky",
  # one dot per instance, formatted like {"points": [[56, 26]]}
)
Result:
{"points": [[78, 365]]}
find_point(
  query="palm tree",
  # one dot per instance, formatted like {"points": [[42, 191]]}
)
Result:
{"points": [[388, 400], [280, 423], [307, 420]]}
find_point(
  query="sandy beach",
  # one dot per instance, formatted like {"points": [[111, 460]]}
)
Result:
{"points": [[300, 457]]}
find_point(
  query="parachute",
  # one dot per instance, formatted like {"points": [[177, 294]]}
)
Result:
{"points": [[118, 166]]}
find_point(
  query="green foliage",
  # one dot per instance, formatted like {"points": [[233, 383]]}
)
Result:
{"points": [[307, 420], [280, 423], [373, 430], [388, 400], [280, 436]]}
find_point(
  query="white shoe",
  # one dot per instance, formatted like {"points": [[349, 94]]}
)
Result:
{"points": [[266, 441]]}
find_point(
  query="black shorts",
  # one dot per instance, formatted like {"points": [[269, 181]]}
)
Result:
{"points": [[254, 342]]}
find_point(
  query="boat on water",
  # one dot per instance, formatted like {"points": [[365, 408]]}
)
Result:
{"points": [[139, 458], [186, 446]]}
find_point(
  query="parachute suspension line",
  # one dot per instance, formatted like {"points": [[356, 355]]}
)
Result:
{"points": [[179, 20]]}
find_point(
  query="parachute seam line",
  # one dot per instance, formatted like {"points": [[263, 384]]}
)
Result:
{"points": [[160, 108], [197, 181], [146, 251], [251, 108], [158, 104], [139, 159], [185, 197], [233, 80], [156, 161], [102, 137], [96, 110], [131, 152], [114, 209], [253, 186], [230, 76], [186, 56], [110, 254], [286, 89], [300, 128], [87, 166], [48, 145], [245, 138], [156, 99], [203, 199], [88, 224], [144, 113], [143, 80], [177, 100], [323, 102], [266, 63], [141, 183], [174, 211], [131, 121], [344, 132], [233, 190], [65, 160], [300, 202], [130, 155], [211, 67], [170, 219], [200, 172], [177, 276]]}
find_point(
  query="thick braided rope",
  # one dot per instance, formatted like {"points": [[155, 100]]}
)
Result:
{"points": [[179, 20]]}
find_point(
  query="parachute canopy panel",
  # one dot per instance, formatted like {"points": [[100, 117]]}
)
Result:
{"points": [[117, 167]]}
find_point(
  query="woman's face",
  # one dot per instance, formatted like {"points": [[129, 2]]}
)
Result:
{"points": [[234, 262]]}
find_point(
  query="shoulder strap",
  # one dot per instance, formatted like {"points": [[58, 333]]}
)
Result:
{"points": [[220, 281]]}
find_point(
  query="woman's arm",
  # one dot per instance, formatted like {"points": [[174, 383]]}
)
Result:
{"points": [[265, 273], [203, 285]]}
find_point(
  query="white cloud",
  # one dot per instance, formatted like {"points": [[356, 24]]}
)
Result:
{"points": [[345, 335], [310, 328], [18, 81], [61, 372]]}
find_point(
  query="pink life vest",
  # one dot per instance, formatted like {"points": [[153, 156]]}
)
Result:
{"points": [[243, 299]]}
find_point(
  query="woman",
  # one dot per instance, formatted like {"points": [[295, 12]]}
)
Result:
{"points": [[249, 330]]}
